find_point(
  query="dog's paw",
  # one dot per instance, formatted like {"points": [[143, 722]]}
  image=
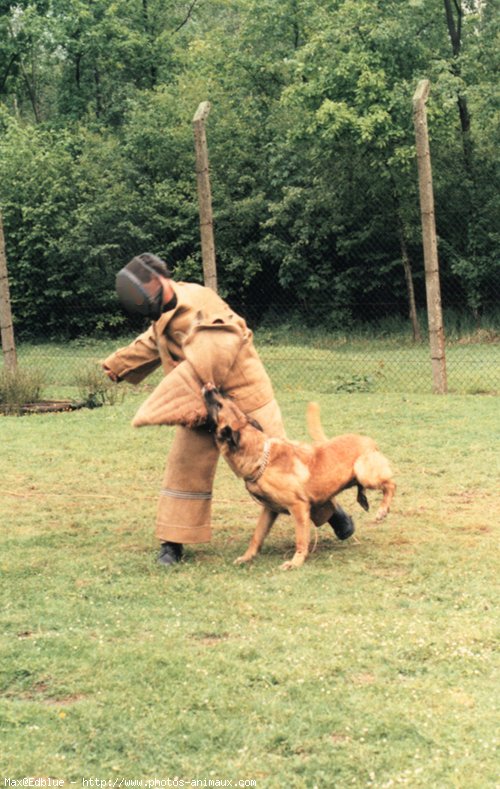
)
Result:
{"points": [[244, 559], [381, 514], [294, 564]]}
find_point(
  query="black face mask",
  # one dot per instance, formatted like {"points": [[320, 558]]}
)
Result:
{"points": [[140, 290]]}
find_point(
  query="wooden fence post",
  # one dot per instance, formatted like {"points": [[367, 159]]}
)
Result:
{"points": [[204, 196], [431, 262], [6, 327]]}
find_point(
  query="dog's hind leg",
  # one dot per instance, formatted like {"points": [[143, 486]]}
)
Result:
{"points": [[361, 498], [300, 512], [264, 526], [374, 472], [388, 489]]}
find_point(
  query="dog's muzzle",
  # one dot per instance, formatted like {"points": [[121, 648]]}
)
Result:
{"points": [[209, 393]]}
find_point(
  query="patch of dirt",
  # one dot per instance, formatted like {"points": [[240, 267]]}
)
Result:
{"points": [[64, 701], [37, 693], [211, 639], [477, 529], [41, 407], [50, 406], [400, 540], [363, 679], [390, 572], [340, 739]]}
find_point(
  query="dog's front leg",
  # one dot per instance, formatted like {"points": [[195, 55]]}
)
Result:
{"points": [[264, 525], [301, 515]]}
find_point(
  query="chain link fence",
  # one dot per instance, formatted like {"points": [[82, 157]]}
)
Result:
{"points": [[373, 336], [376, 351]]}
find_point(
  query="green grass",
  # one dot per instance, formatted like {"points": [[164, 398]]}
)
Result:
{"points": [[302, 360], [373, 666]]}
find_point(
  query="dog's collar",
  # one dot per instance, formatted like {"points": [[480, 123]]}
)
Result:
{"points": [[263, 463]]}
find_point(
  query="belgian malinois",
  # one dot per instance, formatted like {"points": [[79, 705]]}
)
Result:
{"points": [[290, 476]]}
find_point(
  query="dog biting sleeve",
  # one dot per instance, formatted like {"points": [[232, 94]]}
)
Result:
{"points": [[176, 400], [210, 349], [218, 350]]}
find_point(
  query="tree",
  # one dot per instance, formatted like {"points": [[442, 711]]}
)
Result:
{"points": [[311, 150]]}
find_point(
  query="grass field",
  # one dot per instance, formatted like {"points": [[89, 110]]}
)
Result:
{"points": [[301, 360], [373, 666]]}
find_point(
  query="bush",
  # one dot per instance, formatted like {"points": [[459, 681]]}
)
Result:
{"points": [[18, 387], [95, 389]]}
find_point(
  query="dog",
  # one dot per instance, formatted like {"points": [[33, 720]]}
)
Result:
{"points": [[290, 477]]}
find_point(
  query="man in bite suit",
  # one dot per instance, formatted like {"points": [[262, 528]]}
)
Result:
{"points": [[196, 337]]}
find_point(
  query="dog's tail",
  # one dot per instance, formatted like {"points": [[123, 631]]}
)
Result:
{"points": [[314, 425]]}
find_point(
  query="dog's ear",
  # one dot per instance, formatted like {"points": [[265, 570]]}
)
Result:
{"points": [[230, 437], [254, 423]]}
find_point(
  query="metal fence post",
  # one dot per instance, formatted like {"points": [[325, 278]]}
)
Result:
{"points": [[431, 261], [204, 196], [6, 327]]}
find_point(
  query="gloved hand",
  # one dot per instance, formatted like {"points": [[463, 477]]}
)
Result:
{"points": [[111, 375]]}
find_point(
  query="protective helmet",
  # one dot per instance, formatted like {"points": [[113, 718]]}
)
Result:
{"points": [[139, 286]]}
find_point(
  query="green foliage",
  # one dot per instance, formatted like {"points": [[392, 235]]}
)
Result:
{"points": [[353, 383], [58, 286], [311, 149], [19, 387], [96, 389]]}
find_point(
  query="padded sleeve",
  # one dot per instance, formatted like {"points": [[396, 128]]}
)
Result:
{"points": [[134, 362]]}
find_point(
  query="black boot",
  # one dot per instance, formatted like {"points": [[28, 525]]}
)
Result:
{"points": [[341, 523], [170, 553]]}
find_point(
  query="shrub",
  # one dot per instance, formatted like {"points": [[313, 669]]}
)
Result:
{"points": [[95, 389], [18, 387]]}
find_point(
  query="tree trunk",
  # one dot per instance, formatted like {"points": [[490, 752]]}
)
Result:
{"points": [[6, 328], [454, 25], [410, 290], [30, 83], [454, 17], [30, 86], [78, 70], [6, 73], [98, 96], [407, 265], [153, 71]]}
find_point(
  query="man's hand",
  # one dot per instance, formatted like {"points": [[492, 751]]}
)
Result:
{"points": [[111, 375]]}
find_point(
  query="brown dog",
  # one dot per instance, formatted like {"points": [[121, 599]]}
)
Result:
{"points": [[290, 477]]}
